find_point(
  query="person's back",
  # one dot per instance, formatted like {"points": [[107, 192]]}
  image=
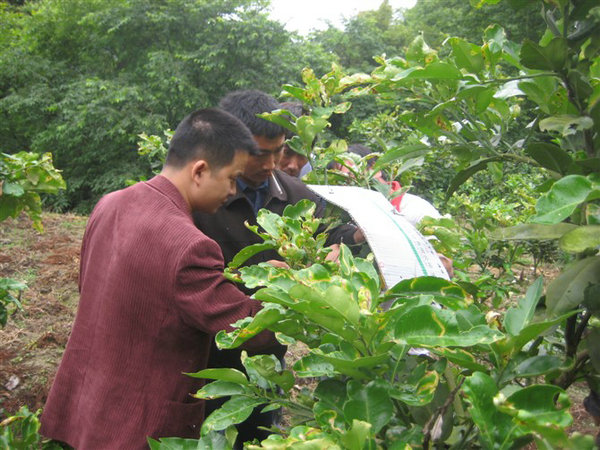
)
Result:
{"points": [[152, 295]]}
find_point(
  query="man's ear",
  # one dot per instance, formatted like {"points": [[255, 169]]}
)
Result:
{"points": [[199, 169]]}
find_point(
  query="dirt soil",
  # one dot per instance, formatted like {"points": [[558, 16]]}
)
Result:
{"points": [[34, 339], [32, 343]]}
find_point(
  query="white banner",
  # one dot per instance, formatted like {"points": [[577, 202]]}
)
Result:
{"points": [[400, 251]]}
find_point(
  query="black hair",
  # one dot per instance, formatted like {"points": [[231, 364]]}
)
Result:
{"points": [[245, 105], [210, 134]]}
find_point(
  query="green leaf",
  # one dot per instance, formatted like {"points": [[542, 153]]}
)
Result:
{"points": [[267, 316], [13, 189], [428, 326], [591, 298], [402, 152], [566, 124], [268, 367], [538, 365], [370, 403], [561, 200], [566, 292], [211, 441], [544, 405], [314, 366], [550, 156], [452, 294], [221, 388], [532, 231], [467, 56], [436, 71], [517, 318], [477, 97], [459, 356], [513, 344], [356, 437], [580, 239], [331, 394], [233, 411], [232, 375], [248, 252], [550, 57], [420, 393], [494, 427]]}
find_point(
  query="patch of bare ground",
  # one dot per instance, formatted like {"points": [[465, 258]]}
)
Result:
{"points": [[34, 339]]}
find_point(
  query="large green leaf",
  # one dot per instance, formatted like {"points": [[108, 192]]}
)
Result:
{"points": [[221, 388], [346, 365], [233, 411], [331, 394], [567, 290], [370, 403], [516, 318], [467, 56], [210, 441], [450, 294], [566, 124], [532, 231], [544, 405], [460, 357], [550, 57], [314, 366], [401, 152], [248, 252], [550, 156], [538, 365], [268, 367], [512, 344], [433, 71], [420, 393], [232, 375], [356, 437], [428, 326], [315, 306], [561, 200], [267, 316], [580, 239], [494, 427]]}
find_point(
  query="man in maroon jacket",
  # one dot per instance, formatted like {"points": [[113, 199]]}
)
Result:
{"points": [[152, 296]]}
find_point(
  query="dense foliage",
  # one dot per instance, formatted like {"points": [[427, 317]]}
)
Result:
{"points": [[82, 79]]}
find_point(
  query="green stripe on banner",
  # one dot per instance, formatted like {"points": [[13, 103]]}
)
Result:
{"points": [[408, 240]]}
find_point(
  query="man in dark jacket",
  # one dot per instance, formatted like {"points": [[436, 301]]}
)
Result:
{"points": [[259, 186]]}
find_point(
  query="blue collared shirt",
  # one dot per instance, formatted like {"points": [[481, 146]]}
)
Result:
{"points": [[255, 195]]}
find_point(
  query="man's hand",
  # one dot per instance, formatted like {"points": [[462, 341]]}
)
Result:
{"points": [[334, 254], [447, 263], [358, 236]]}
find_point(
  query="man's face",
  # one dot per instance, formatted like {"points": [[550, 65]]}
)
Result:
{"points": [[260, 167], [219, 184], [291, 162]]}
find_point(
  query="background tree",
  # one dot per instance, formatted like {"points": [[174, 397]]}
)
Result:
{"points": [[438, 19], [83, 78]]}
